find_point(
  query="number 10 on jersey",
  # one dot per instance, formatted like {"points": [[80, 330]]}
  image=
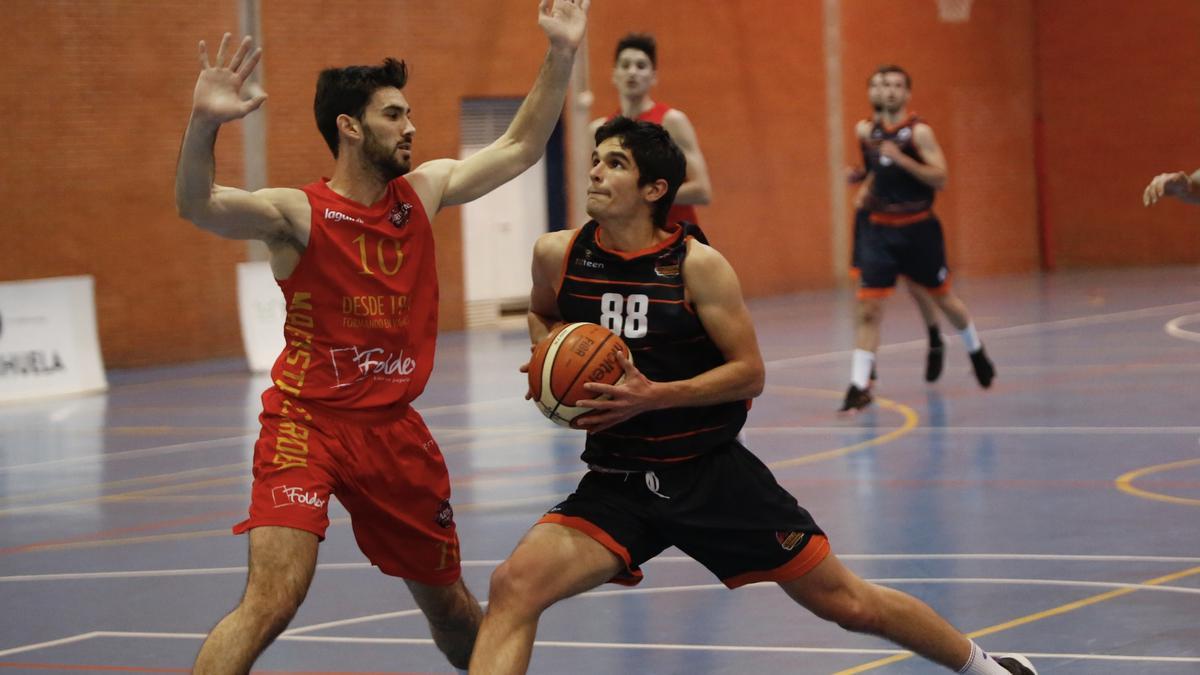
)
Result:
{"points": [[625, 315]]}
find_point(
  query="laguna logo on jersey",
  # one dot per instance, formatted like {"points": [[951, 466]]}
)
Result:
{"points": [[330, 214], [399, 214], [904, 134], [285, 495]]}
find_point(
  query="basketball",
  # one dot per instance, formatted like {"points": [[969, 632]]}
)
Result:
{"points": [[569, 358]]}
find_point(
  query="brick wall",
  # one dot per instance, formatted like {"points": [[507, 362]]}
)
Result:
{"points": [[94, 97]]}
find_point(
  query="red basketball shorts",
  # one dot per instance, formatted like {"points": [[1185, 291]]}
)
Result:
{"points": [[387, 471]]}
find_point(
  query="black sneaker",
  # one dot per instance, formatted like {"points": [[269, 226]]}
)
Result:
{"points": [[1017, 665], [934, 360], [856, 399], [984, 370]]}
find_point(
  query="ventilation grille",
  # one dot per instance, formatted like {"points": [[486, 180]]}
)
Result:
{"points": [[483, 120]]}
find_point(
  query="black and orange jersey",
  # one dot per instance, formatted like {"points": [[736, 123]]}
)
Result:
{"points": [[640, 296], [894, 190]]}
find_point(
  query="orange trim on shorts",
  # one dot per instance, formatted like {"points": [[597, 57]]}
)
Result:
{"points": [[870, 293], [630, 577], [899, 219], [816, 550], [855, 273]]}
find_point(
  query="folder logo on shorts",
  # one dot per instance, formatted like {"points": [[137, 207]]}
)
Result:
{"points": [[288, 496], [789, 540]]}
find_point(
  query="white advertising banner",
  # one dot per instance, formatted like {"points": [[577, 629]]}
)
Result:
{"points": [[262, 311], [48, 341]]}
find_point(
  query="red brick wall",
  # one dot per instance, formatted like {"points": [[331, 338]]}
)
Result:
{"points": [[94, 97], [93, 101], [972, 83], [1118, 96]]}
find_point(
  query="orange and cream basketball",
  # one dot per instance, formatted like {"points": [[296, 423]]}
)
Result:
{"points": [[568, 358]]}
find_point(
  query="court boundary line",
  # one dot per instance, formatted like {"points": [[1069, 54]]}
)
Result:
{"points": [[991, 333], [635, 646], [1124, 482], [356, 566], [1173, 328], [1031, 618]]}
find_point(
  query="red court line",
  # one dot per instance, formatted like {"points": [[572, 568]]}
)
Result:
{"points": [[95, 536]]}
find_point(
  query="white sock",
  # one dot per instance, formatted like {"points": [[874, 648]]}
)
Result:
{"points": [[979, 663], [860, 371], [971, 338]]}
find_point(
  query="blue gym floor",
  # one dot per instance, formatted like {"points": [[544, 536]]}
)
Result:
{"points": [[1057, 514]]}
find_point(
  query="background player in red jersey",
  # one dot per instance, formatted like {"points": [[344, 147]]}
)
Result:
{"points": [[635, 72], [1177, 184], [665, 466], [935, 356], [354, 258], [902, 236]]}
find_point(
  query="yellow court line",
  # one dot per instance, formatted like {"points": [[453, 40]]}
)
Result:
{"points": [[911, 419], [1125, 483], [1061, 609]]}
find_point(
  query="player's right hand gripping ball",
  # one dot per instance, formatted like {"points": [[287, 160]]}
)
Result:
{"points": [[569, 357]]}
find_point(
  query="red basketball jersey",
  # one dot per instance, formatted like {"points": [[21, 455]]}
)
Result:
{"points": [[678, 212], [362, 304]]}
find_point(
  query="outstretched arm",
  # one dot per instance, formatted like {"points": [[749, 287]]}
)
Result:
{"points": [[228, 212], [717, 296], [1177, 184], [932, 171], [696, 188], [446, 182]]}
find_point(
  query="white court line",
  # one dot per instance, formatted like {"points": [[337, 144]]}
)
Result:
{"points": [[641, 646], [986, 430], [1022, 329], [241, 569], [44, 645], [1173, 327], [129, 454], [660, 590]]}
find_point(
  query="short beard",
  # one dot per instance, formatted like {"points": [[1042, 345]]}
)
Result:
{"points": [[382, 159]]}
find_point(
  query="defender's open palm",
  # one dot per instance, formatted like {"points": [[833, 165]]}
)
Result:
{"points": [[564, 21], [217, 96], [632, 397], [1165, 184]]}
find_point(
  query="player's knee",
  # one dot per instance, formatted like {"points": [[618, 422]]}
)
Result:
{"points": [[271, 609], [869, 311], [515, 587], [848, 607]]}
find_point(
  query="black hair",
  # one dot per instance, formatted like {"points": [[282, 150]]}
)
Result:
{"points": [[643, 41], [655, 154], [892, 68], [346, 91]]}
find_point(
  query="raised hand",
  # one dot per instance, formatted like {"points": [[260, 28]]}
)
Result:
{"points": [[564, 21], [1166, 184], [218, 95]]}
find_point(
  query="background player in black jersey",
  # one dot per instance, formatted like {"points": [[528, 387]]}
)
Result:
{"points": [[666, 469], [935, 357], [1178, 184], [902, 236]]}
